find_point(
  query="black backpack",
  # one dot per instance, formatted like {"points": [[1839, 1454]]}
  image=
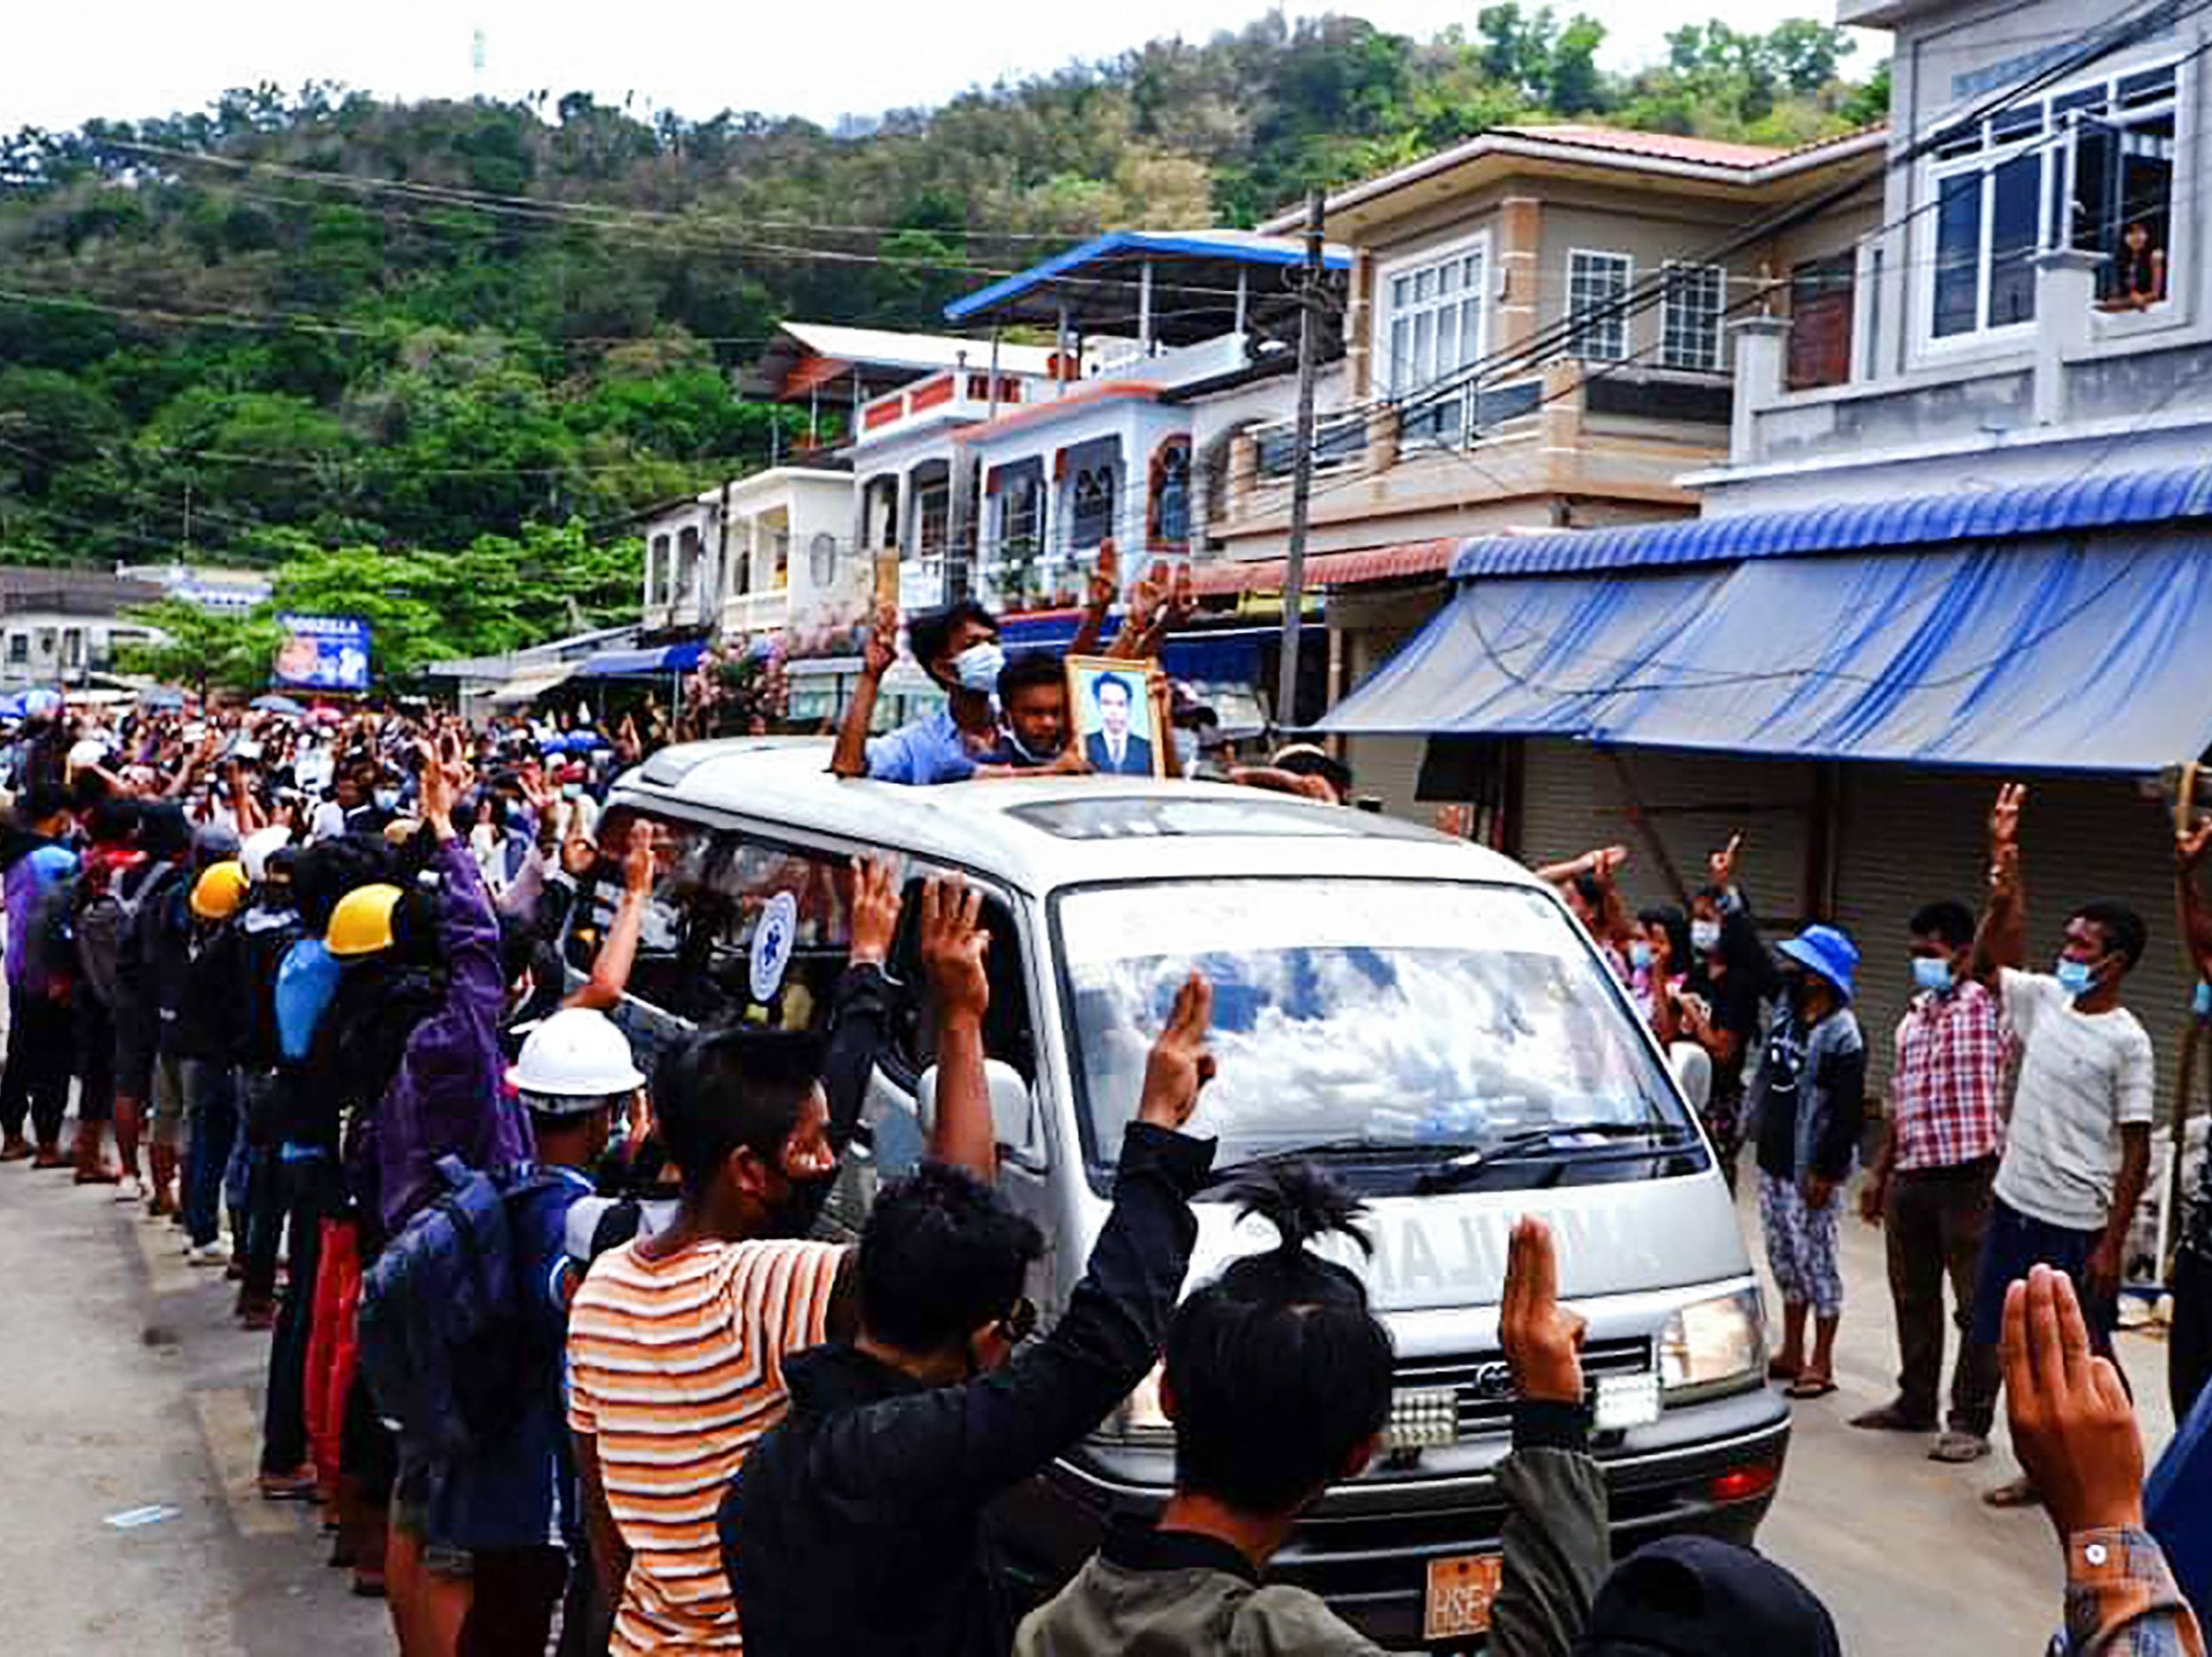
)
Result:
{"points": [[445, 1343]]}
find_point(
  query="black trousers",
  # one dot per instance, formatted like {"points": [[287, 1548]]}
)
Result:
{"points": [[1934, 1225], [2189, 1342], [42, 1054]]}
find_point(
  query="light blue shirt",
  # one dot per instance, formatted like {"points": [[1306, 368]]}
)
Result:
{"points": [[306, 980], [928, 751]]}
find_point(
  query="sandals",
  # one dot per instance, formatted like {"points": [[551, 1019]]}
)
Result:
{"points": [[1810, 1386]]}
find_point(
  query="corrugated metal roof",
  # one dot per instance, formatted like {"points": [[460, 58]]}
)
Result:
{"points": [[2094, 501], [1237, 246], [914, 351], [1671, 145]]}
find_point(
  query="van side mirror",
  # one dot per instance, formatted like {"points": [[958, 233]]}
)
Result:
{"points": [[1693, 1073], [1013, 1106]]}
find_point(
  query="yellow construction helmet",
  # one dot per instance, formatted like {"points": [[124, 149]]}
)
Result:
{"points": [[220, 889], [361, 923]]}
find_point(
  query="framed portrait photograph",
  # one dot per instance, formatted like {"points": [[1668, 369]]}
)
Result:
{"points": [[1117, 723]]}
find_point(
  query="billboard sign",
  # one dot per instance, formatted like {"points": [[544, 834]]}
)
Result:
{"points": [[322, 653]]}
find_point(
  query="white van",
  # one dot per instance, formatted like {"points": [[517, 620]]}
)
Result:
{"points": [[1418, 1016]]}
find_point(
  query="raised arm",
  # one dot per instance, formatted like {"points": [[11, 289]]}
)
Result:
{"points": [[967, 1443], [2001, 940], [1557, 1547], [954, 948], [2196, 918], [1105, 585], [861, 1011], [851, 756], [617, 951]]}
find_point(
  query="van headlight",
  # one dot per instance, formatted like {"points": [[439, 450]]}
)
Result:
{"points": [[1139, 1417], [1713, 1346]]}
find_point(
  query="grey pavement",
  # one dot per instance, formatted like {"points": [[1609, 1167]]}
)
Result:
{"points": [[1901, 1548], [125, 1385]]}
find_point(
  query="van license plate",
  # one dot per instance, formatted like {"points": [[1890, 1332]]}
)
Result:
{"points": [[1462, 1591]]}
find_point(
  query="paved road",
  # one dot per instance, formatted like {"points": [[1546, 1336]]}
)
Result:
{"points": [[125, 1385]]}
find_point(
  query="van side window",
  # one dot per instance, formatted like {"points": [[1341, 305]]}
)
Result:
{"points": [[1009, 1033], [731, 915]]}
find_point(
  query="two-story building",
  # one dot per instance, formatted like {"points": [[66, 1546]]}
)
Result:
{"points": [[1536, 337], [1984, 553]]}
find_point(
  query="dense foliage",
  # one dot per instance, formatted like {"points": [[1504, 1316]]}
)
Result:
{"points": [[317, 320]]}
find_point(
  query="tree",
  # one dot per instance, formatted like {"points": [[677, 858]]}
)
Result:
{"points": [[204, 649]]}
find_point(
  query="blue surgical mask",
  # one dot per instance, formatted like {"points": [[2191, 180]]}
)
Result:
{"points": [[2074, 976], [2200, 1001], [1640, 954], [1931, 972], [977, 668]]}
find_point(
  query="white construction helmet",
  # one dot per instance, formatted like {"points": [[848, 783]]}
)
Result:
{"points": [[572, 1061], [255, 850]]}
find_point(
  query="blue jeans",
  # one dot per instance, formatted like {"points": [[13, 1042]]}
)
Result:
{"points": [[211, 1110]]}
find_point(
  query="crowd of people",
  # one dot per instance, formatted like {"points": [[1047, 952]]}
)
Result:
{"points": [[2017, 1134], [556, 1349]]}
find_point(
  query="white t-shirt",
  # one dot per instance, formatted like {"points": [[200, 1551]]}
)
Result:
{"points": [[2082, 1075], [330, 821]]}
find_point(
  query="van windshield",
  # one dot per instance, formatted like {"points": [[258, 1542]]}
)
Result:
{"points": [[1351, 1013]]}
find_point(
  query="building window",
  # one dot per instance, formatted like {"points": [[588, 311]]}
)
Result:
{"points": [[19, 647], [73, 647], [1090, 516], [1435, 330], [659, 572], [687, 586], [1597, 285], [1171, 495], [1690, 336], [2091, 167]]}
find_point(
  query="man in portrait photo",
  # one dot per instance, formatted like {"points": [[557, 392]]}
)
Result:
{"points": [[1113, 750]]}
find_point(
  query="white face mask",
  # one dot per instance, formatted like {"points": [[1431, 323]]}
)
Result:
{"points": [[1704, 936]]}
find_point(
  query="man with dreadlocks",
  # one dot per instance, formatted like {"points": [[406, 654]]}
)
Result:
{"points": [[857, 1523]]}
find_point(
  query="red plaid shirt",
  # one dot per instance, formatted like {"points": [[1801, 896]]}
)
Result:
{"points": [[1947, 1094]]}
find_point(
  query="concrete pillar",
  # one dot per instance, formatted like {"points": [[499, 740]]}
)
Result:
{"points": [[1382, 435], [2065, 293], [1244, 471], [1761, 353], [1520, 269]]}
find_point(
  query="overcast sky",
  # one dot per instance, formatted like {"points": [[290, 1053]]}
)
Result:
{"points": [[135, 57]]}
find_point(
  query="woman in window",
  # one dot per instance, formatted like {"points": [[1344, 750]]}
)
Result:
{"points": [[2139, 273]]}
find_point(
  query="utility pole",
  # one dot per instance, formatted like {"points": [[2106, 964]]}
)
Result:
{"points": [[1302, 465]]}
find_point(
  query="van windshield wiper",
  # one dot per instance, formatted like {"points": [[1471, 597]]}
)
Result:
{"points": [[1454, 1172], [1321, 1150]]}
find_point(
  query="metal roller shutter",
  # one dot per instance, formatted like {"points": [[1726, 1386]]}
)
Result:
{"points": [[1575, 797], [1908, 837], [1387, 767]]}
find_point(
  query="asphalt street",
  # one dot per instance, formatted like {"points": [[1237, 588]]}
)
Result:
{"points": [[130, 1405]]}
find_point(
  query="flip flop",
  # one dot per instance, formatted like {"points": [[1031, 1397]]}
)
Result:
{"points": [[1810, 1386]]}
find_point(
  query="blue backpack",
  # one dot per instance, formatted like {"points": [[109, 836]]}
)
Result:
{"points": [[446, 1348]]}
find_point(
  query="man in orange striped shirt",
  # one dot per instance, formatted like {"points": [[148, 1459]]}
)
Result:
{"points": [[677, 1342]]}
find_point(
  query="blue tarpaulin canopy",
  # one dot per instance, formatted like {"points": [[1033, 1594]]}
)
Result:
{"points": [[2052, 652], [640, 664]]}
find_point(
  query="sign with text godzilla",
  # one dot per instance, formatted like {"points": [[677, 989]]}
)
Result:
{"points": [[322, 653]]}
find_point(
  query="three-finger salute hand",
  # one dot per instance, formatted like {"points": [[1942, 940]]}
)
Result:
{"points": [[1543, 1339], [1179, 1065]]}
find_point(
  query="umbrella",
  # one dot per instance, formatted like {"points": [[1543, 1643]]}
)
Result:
{"points": [[275, 704], [11, 706], [161, 700]]}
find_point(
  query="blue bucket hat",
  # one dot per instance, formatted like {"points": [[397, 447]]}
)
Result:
{"points": [[1827, 952]]}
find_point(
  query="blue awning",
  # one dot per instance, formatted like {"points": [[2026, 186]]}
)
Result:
{"points": [[2075, 653], [1231, 247], [644, 663], [1540, 656], [2108, 500]]}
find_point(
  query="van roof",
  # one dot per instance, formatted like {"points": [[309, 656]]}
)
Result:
{"points": [[1052, 831]]}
